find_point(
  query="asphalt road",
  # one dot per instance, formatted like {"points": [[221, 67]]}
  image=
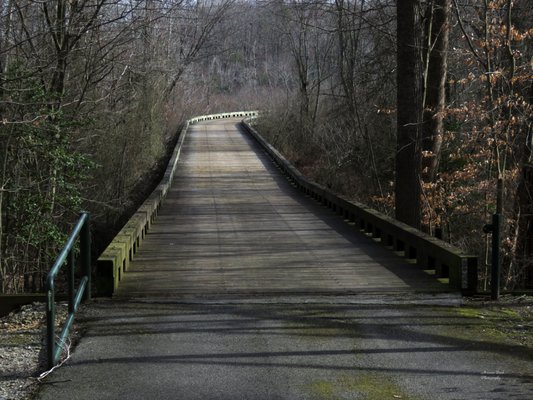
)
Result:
{"points": [[358, 347]]}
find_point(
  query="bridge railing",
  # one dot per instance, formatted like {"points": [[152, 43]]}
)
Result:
{"points": [[115, 259], [431, 253], [81, 233]]}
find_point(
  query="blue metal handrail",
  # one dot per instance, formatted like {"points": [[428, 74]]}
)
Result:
{"points": [[81, 231]]}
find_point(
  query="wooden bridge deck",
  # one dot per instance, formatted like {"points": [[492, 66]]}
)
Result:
{"points": [[232, 224]]}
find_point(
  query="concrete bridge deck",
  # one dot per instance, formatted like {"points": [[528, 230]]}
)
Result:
{"points": [[232, 224]]}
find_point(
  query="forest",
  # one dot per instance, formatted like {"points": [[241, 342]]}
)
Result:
{"points": [[422, 109]]}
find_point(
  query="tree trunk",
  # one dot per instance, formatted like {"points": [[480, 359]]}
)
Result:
{"points": [[4, 41], [435, 98], [523, 212], [409, 118]]}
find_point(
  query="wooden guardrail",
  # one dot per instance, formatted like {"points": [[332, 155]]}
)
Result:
{"points": [[433, 254], [115, 259]]}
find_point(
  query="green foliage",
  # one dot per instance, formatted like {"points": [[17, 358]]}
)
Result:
{"points": [[43, 178], [107, 97]]}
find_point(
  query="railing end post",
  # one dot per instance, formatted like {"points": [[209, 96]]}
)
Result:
{"points": [[85, 241], [50, 322], [496, 262]]}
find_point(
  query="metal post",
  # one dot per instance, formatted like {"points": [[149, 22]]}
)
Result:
{"points": [[71, 292], [50, 322], [495, 270], [85, 253]]}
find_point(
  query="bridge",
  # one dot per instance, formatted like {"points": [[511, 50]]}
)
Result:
{"points": [[240, 279], [232, 224], [235, 218]]}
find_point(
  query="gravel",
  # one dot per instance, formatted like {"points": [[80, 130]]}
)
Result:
{"points": [[22, 358]]}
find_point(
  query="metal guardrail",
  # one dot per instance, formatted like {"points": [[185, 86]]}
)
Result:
{"points": [[446, 260], [114, 261], [68, 254]]}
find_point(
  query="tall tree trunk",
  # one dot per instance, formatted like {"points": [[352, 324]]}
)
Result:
{"points": [[409, 119], [435, 98], [522, 261], [6, 10]]}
